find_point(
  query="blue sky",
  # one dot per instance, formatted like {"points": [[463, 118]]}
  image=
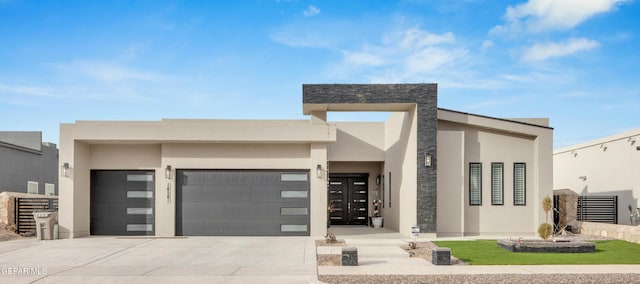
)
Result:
{"points": [[573, 61]]}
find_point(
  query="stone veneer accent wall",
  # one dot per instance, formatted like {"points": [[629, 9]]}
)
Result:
{"points": [[621, 232], [425, 97], [567, 206]]}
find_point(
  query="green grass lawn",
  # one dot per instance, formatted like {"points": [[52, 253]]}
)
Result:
{"points": [[487, 252]]}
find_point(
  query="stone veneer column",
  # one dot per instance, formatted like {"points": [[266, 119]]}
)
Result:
{"points": [[567, 206]]}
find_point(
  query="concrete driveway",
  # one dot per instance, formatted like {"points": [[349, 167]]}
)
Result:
{"points": [[160, 260]]}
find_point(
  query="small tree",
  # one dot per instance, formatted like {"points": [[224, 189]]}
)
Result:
{"points": [[547, 204], [546, 230]]}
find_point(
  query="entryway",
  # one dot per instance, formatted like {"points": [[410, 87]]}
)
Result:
{"points": [[348, 199]]}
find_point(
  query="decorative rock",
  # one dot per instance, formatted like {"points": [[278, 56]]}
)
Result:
{"points": [[441, 256], [542, 246], [349, 256]]}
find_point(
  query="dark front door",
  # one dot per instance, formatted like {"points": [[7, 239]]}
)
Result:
{"points": [[122, 203], [348, 199]]}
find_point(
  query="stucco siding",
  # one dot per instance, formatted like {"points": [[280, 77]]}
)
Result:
{"points": [[400, 210], [451, 183], [24, 158], [488, 146], [609, 166], [130, 157], [358, 141]]}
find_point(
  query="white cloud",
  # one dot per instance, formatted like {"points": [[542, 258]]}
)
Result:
{"points": [[545, 15], [417, 38], [543, 51], [25, 90], [311, 11], [363, 58], [485, 104], [298, 39], [402, 55], [431, 58], [108, 72], [487, 44]]}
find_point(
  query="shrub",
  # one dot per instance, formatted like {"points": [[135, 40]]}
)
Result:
{"points": [[545, 230]]}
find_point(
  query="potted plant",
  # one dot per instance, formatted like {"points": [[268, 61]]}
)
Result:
{"points": [[329, 211], [377, 220]]}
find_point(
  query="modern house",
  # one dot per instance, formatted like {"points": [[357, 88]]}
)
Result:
{"points": [[606, 166], [449, 173], [26, 164]]}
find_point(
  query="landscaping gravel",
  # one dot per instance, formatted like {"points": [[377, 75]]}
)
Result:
{"points": [[484, 278]]}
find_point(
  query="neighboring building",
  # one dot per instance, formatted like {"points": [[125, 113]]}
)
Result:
{"points": [[430, 167], [606, 166], [26, 164]]}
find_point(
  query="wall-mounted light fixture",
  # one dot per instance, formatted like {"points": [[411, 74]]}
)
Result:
{"points": [[378, 178], [319, 171], [168, 172], [65, 170], [604, 147], [632, 140], [427, 160], [583, 178], [574, 153]]}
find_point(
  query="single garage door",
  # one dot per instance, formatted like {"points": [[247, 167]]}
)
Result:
{"points": [[242, 203], [122, 203]]}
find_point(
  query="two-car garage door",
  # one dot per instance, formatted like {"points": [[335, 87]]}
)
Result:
{"points": [[242, 203]]}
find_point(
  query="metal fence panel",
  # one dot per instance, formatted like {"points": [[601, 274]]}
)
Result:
{"points": [[24, 208], [600, 209]]}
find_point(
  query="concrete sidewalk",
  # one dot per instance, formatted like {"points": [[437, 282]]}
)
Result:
{"points": [[379, 253], [256, 260], [157, 260]]}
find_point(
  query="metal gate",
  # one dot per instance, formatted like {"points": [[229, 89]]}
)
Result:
{"points": [[600, 209], [24, 208]]}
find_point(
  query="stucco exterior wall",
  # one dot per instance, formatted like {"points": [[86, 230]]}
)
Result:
{"points": [[609, 166], [24, 158], [358, 141], [400, 204], [486, 141], [451, 183]]}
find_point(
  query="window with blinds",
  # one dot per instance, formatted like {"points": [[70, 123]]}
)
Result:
{"points": [[475, 184], [519, 184], [497, 184]]}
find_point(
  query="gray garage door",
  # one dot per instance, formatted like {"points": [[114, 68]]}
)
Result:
{"points": [[122, 203], [242, 203]]}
